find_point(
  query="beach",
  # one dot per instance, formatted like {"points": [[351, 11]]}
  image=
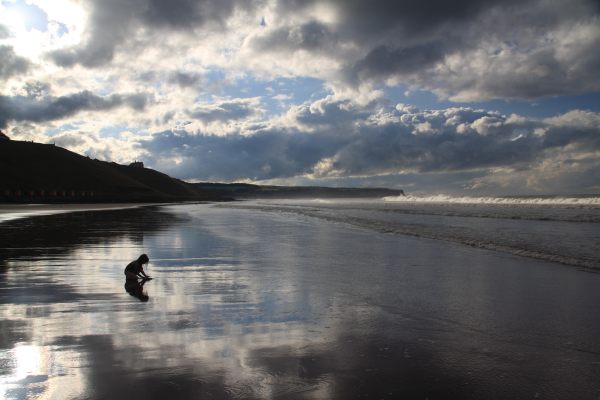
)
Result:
{"points": [[302, 300], [10, 211]]}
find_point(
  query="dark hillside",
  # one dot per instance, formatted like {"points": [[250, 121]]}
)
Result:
{"points": [[42, 173], [155, 179], [47, 173]]}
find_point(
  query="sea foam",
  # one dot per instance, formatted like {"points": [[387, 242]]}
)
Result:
{"points": [[441, 198]]}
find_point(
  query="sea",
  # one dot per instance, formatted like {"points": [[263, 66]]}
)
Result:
{"points": [[405, 297], [554, 228]]}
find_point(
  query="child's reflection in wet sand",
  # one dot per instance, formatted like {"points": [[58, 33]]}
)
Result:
{"points": [[136, 288]]}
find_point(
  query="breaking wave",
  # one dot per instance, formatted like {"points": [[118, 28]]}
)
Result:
{"points": [[566, 232], [551, 201]]}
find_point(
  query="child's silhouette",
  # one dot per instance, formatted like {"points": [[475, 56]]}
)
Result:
{"points": [[135, 269]]}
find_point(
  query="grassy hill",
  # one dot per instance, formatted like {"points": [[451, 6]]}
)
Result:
{"points": [[47, 173]]}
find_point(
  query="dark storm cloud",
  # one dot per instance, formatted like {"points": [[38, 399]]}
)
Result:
{"points": [[395, 147], [384, 61], [229, 110], [468, 48], [113, 21], [32, 109], [451, 140], [312, 36], [521, 61], [364, 19], [265, 155], [10, 63], [435, 141], [396, 24], [181, 14]]}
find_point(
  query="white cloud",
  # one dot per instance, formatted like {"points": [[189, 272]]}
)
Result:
{"points": [[379, 142], [179, 58]]}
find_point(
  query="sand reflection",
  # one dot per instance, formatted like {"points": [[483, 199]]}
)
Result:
{"points": [[249, 306]]}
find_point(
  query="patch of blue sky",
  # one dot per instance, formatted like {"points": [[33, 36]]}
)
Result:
{"points": [[214, 74], [62, 29], [115, 131], [58, 130], [212, 84], [106, 88], [276, 94], [31, 15], [539, 108]]}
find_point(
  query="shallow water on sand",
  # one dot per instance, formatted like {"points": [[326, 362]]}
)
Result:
{"points": [[260, 305]]}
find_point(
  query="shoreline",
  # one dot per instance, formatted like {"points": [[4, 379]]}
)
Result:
{"points": [[447, 227], [10, 212]]}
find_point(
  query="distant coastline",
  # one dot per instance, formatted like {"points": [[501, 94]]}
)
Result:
{"points": [[47, 174]]}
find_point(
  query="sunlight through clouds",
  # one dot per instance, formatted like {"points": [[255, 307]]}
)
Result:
{"points": [[74, 70]]}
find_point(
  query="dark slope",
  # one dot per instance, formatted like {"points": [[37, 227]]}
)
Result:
{"points": [[46, 173]]}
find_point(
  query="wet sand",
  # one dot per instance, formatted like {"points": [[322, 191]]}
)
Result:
{"points": [[257, 305], [15, 211]]}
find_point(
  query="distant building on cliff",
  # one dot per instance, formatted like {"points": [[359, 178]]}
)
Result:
{"points": [[3, 136], [137, 164]]}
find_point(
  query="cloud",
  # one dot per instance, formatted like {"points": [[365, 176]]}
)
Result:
{"points": [[546, 52], [4, 32], [361, 20], [37, 89], [455, 139], [329, 111], [226, 110], [70, 140], [467, 50], [185, 79], [11, 64], [112, 23], [264, 155], [311, 36], [32, 109], [380, 140], [217, 76], [384, 61]]}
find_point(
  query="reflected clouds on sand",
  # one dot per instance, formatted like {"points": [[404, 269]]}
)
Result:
{"points": [[258, 306]]}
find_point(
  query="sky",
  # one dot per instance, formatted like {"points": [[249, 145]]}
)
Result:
{"points": [[434, 97]]}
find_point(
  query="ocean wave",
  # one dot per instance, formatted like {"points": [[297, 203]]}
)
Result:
{"points": [[551, 201], [523, 238]]}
